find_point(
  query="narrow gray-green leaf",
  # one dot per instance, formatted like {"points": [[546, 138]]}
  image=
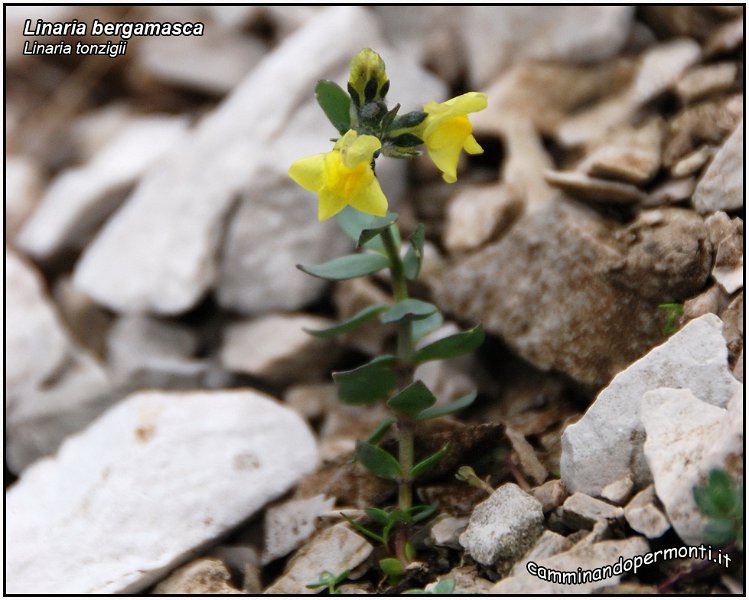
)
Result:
{"points": [[335, 103], [378, 461], [426, 464], [446, 409], [347, 267], [412, 400], [415, 253], [381, 429], [411, 309], [364, 315], [426, 326], [451, 346], [368, 383], [375, 227]]}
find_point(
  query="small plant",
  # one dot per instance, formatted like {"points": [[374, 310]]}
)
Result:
{"points": [[723, 502], [443, 587], [348, 189], [330, 581], [673, 312]]}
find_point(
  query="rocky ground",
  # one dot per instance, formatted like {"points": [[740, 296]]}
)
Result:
{"points": [[170, 428]]}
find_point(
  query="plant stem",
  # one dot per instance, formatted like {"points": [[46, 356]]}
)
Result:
{"points": [[405, 353]]}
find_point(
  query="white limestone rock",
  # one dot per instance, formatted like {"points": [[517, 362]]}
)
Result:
{"points": [[694, 358], [201, 576], [584, 556], [153, 479], [334, 549], [555, 33], [53, 387], [504, 526], [582, 512], [23, 186], [277, 347], [644, 516], [158, 252], [79, 199], [549, 544], [722, 185], [686, 438], [290, 523]]}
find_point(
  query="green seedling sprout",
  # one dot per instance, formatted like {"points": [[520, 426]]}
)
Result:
{"points": [[723, 502], [330, 581]]}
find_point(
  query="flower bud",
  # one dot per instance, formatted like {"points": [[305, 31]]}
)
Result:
{"points": [[368, 81]]}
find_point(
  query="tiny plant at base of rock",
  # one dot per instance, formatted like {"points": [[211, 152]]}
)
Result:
{"points": [[330, 581], [443, 587], [673, 312], [723, 502], [347, 187]]}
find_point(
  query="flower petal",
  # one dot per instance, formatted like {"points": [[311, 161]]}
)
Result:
{"points": [[360, 150], [467, 103], [444, 144], [370, 200], [329, 204], [471, 146], [309, 172]]}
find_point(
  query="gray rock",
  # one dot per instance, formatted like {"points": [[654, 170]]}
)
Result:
{"points": [[467, 581], [659, 68], [550, 494], [628, 154], [585, 557], [618, 491], [446, 529], [334, 549], [276, 347], [594, 189], [540, 287], [477, 215], [686, 438], [53, 387], [644, 516], [201, 576], [289, 524], [182, 467], [504, 526], [727, 238], [521, 32], [722, 185], [549, 544], [214, 62], [580, 511], [706, 80], [667, 255], [158, 252], [694, 358], [692, 162], [145, 352], [79, 199], [670, 192], [23, 186]]}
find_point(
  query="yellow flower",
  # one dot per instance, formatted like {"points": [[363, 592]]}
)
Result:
{"points": [[343, 176], [446, 131]]}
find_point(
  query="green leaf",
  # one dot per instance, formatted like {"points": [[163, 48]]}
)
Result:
{"points": [[422, 511], [363, 530], [376, 227], [451, 346], [412, 400], [368, 383], [380, 462], [347, 267], [415, 253], [424, 327], [377, 515], [426, 464], [364, 315], [407, 140], [377, 434], [388, 119], [720, 532], [354, 223], [392, 567], [411, 309], [446, 409], [444, 587], [335, 104], [411, 119], [409, 551]]}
